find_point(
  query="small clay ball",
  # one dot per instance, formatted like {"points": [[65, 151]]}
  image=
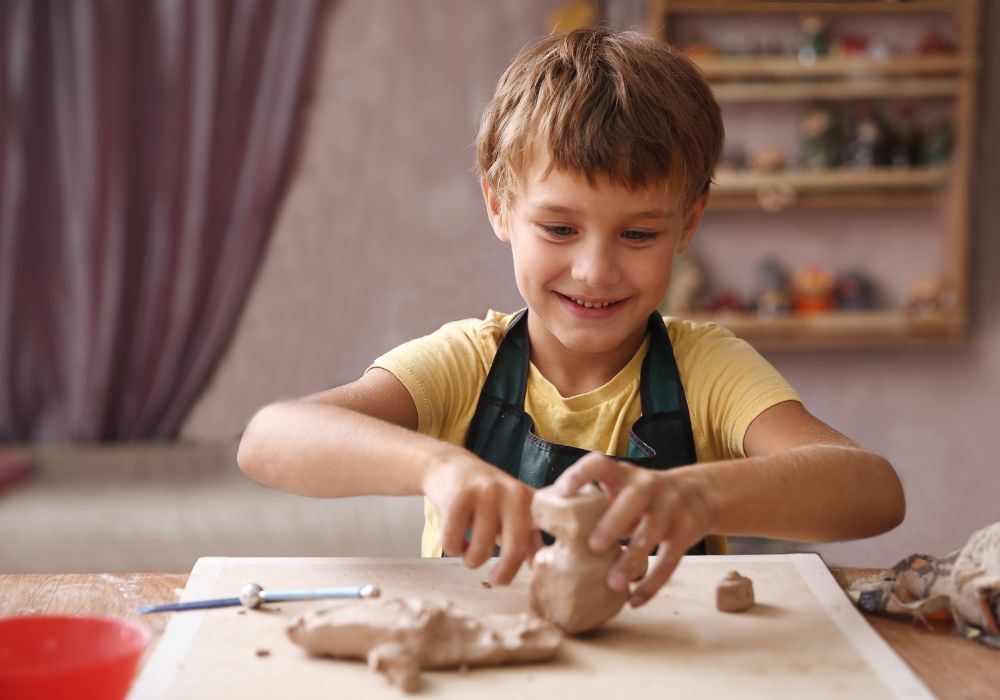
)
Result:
{"points": [[734, 593]]}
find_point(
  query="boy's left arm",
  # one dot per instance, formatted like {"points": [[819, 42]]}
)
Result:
{"points": [[801, 480]]}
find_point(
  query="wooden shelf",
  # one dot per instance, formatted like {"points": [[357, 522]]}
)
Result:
{"points": [[780, 85], [842, 329], [785, 6], [788, 67], [830, 181], [862, 88]]}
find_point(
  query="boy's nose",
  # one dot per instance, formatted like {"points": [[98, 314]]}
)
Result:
{"points": [[596, 266]]}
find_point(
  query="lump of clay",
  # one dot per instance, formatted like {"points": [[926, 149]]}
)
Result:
{"points": [[734, 593], [399, 637], [569, 586]]}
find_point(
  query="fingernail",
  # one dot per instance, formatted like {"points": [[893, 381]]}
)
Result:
{"points": [[636, 601]]}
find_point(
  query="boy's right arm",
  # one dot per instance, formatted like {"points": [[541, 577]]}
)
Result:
{"points": [[361, 439]]}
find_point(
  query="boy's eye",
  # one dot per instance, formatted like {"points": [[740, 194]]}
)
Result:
{"points": [[633, 235], [558, 231]]}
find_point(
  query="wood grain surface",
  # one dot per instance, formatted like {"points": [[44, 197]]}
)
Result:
{"points": [[953, 668]]}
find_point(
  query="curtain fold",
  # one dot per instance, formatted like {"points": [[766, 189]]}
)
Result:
{"points": [[143, 152]]}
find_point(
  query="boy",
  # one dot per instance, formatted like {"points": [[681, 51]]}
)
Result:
{"points": [[595, 157]]}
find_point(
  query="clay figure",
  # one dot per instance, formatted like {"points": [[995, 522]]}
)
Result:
{"points": [[871, 145], [768, 159], [734, 593], [907, 149], [774, 294], [687, 287], [813, 290], [399, 637], [965, 585], [855, 291], [938, 144], [819, 139], [814, 39], [569, 586]]}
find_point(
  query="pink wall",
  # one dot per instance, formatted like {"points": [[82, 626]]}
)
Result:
{"points": [[383, 237]]}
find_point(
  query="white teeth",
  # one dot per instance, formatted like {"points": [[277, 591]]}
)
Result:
{"points": [[589, 305]]}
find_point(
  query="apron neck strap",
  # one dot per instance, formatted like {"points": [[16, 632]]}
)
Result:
{"points": [[660, 383]]}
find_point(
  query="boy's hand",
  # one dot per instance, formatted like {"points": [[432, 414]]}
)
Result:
{"points": [[667, 509], [471, 494]]}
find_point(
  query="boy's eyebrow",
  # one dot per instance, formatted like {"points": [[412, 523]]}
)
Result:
{"points": [[562, 209]]}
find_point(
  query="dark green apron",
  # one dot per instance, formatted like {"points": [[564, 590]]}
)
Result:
{"points": [[503, 434]]}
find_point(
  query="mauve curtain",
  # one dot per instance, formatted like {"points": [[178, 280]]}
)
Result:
{"points": [[143, 149]]}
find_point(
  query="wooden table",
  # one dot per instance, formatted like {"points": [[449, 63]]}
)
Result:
{"points": [[951, 667]]}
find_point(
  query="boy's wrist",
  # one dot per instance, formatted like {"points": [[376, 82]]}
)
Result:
{"points": [[699, 483], [438, 458]]}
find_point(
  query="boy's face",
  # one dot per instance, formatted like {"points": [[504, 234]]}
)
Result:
{"points": [[591, 261]]}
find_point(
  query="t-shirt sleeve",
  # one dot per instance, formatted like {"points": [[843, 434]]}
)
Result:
{"points": [[727, 384], [443, 372]]}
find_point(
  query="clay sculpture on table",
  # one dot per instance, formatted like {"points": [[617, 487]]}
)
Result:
{"points": [[734, 593], [964, 585], [569, 586], [399, 637]]}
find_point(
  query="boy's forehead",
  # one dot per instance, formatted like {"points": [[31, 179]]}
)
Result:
{"points": [[540, 179]]}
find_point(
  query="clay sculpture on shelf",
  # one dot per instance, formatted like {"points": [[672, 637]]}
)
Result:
{"points": [[569, 585], [734, 593], [399, 637]]}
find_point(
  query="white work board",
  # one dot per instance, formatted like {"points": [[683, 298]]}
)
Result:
{"points": [[803, 638]]}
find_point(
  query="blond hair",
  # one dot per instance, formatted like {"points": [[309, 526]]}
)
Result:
{"points": [[621, 105]]}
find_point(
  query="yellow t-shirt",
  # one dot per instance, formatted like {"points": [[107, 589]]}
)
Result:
{"points": [[726, 383]]}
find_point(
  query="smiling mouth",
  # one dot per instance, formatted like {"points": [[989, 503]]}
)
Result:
{"points": [[591, 304]]}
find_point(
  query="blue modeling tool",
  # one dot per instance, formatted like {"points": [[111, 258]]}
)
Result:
{"points": [[253, 596]]}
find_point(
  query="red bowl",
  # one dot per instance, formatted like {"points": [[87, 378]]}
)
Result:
{"points": [[68, 657]]}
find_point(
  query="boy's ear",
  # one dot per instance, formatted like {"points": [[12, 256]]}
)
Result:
{"points": [[691, 221], [494, 210]]}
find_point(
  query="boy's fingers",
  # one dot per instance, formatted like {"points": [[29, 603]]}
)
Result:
{"points": [[454, 522], [620, 518], [516, 542], [664, 565], [484, 531], [591, 467], [635, 558]]}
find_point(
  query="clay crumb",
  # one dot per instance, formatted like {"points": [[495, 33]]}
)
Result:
{"points": [[241, 612], [263, 652], [734, 593], [463, 669], [486, 584]]}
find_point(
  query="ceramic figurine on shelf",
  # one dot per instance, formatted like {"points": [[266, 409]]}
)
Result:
{"points": [[699, 48], [933, 43], [688, 287], [907, 147], [768, 159], [774, 290], [813, 290], [814, 39], [852, 44], [573, 14], [727, 301], [871, 141], [820, 139], [855, 291], [938, 144], [930, 295]]}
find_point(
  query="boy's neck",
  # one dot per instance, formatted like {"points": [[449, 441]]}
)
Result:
{"points": [[572, 372]]}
